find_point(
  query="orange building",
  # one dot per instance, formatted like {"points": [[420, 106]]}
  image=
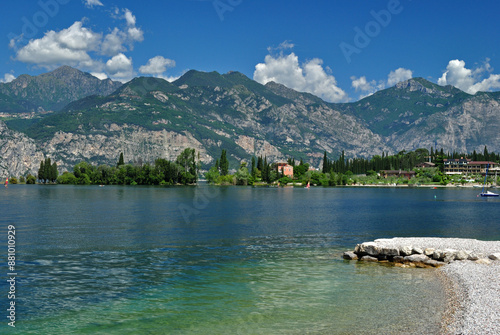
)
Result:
{"points": [[285, 169]]}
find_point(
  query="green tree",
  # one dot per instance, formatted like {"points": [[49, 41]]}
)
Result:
{"points": [[41, 172], [224, 163], [120, 160], [48, 170], [30, 179], [212, 175], [67, 178], [326, 165], [187, 160], [242, 175], [54, 173]]}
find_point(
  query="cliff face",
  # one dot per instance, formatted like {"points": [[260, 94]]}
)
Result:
{"points": [[463, 128], [149, 118], [19, 155], [135, 142]]}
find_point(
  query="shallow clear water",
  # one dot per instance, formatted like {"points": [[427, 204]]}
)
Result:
{"points": [[235, 260]]}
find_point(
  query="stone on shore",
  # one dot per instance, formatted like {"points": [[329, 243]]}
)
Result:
{"points": [[429, 251], [406, 251], [495, 256], [349, 255], [369, 259], [421, 252]]}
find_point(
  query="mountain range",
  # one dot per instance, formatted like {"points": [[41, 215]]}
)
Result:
{"points": [[71, 116]]}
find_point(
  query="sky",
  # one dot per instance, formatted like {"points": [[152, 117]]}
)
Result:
{"points": [[340, 50]]}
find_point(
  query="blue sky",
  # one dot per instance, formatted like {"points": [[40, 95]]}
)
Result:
{"points": [[338, 50]]}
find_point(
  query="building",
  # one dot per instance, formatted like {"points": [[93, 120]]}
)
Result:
{"points": [[426, 165], [397, 173], [285, 169], [467, 166], [456, 166]]}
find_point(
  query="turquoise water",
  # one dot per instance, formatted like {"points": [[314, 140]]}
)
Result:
{"points": [[235, 260]]}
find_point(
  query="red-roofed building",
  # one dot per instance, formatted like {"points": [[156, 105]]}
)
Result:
{"points": [[286, 169], [467, 166]]}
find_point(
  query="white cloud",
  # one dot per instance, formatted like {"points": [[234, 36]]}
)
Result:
{"points": [[99, 75], [309, 77], [80, 47], [120, 68], [398, 75], [92, 3], [470, 81], [135, 34], [169, 78], [7, 78], [157, 65], [130, 18], [113, 43], [69, 46], [367, 88], [361, 84]]}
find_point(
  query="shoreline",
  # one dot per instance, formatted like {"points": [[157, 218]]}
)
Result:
{"points": [[471, 283]]}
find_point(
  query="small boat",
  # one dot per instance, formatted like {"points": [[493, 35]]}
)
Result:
{"points": [[6, 183], [308, 185], [487, 193]]}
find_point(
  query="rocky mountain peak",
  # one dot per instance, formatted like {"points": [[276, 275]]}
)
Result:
{"points": [[424, 86]]}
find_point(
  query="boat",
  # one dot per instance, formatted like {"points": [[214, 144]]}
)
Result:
{"points": [[308, 185], [487, 193], [6, 182]]}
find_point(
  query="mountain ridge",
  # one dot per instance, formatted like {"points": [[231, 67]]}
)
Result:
{"points": [[210, 112], [63, 85]]}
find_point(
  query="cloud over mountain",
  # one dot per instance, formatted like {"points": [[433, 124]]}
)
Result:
{"points": [[309, 77], [367, 88], [83, 48], [470, 80]]}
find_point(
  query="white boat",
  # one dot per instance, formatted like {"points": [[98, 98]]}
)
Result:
{"points": [[487, 193]]}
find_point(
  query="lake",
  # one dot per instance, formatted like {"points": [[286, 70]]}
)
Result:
{"points": [[226, 260]]}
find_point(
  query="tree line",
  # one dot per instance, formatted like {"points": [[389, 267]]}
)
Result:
{"points": [[335, 172], [184, 170], [403, 160]]}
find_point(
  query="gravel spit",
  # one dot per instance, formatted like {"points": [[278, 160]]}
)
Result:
{"points": [[474, 288]]}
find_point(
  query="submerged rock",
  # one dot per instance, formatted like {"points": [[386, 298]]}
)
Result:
{"points": [[349, 255]]}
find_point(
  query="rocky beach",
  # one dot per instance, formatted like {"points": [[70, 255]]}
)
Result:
{"points": [[470, 270]]}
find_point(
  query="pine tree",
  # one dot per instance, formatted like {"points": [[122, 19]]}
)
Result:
{"points": [[486, 155], [326, 167], [265, 170], [41, 172], [120, 160], [260, 163], [224, 163], [54, 173], [47, 170]]}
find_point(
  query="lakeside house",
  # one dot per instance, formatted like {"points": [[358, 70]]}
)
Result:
{"points": [[286, 169], [397, 173], [465, 166], [426, 165]]}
